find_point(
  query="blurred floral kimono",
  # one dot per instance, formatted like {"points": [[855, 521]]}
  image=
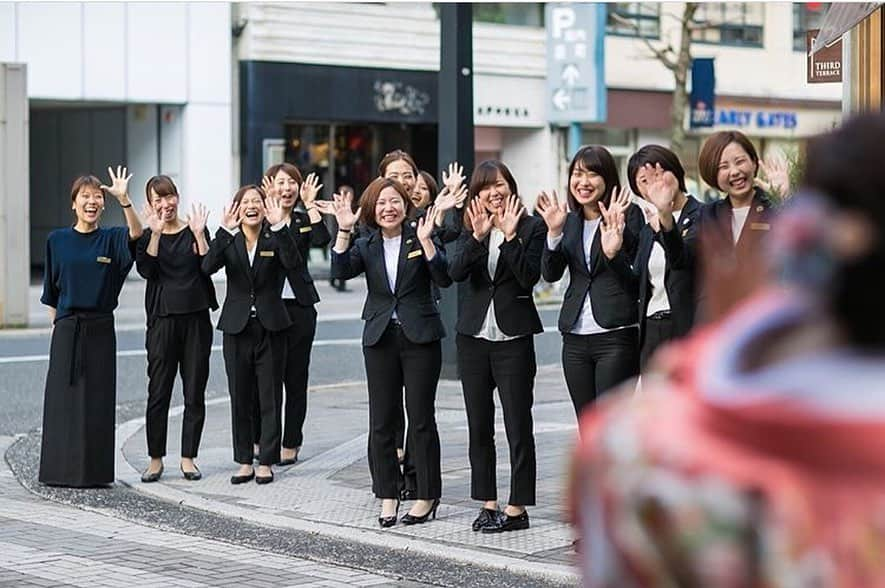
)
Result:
{"points": [[722, 474]]}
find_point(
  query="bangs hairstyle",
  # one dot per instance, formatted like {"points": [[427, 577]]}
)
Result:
{"points": [[486, 174], [161, 185], [287, 167], [238, 197], [85, 182], [370, 196], [711, 153], [432, 186], [655, 154], [396, 155], [598, 160]]}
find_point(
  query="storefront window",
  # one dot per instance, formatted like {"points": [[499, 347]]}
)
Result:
{"points": [[634, 19], [806, 16], [730, 23], [529, 14]]}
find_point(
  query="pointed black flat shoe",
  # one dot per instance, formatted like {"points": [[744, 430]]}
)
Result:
{"points": [[390, 521], [487, 517], [410, 519], [192, 476], [264, 479], [505, 522], [148, 477], [242, 479]]}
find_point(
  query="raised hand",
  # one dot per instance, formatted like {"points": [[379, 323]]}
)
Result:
{"points": [[325, 206], [510, 219], [274, 211], [553, 212], [154, 222], [344, 213], [230, 216], [454, 178], [612, 227], [310, 188], [447, 200], [662, 190], [119, 187], [427, 223], [480, 219], [777, 176], [197, 218], [268, 187]]}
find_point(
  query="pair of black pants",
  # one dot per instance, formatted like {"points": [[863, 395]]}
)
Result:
{"points": [[510, 367], [298, 340], [392, 363], [593, 364], [657, 332], [253, 359], [177, 344]]}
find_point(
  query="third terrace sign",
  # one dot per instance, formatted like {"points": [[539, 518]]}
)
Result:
{"points": [[825, 65]]}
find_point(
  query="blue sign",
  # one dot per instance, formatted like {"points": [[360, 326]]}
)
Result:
{"points": [[703, 93], [760, 119], [576, 62]]}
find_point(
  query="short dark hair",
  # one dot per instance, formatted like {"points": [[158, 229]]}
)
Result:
{"points": [[597, 159], [432, 186], [87, 181], [711, 153], [486, 174], [287, 167], [161, 185], [396, 155], [370, 198], [238, 197], [652, 155]]}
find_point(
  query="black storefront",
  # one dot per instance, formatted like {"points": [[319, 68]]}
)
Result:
{"points": [[335, 121]]}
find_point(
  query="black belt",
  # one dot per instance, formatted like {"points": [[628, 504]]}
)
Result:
{"points": [[660, 315], [253, 314], [394, 324]]}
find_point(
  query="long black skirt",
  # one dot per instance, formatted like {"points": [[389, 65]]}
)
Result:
{"points": [[79, 403]]}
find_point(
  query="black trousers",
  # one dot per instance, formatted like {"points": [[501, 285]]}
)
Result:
{"points": [[253, 359], [298, 340], [657, 332], [79, 403], [510, 367], [593, 364], [177, 344], [391, 364]]}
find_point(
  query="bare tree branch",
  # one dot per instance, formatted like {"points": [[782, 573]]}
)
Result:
{"points": [[666, 56]]}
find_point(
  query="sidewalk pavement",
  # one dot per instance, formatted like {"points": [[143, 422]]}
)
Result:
{"points": [[328, 490]]}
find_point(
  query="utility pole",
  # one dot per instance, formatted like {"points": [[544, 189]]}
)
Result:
{"points": [[15, 246], [455, 133]]}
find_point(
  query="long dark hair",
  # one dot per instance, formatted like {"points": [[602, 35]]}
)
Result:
{"points": [[598, 160]]}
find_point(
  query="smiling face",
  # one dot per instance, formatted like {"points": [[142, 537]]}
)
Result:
{"points": [[287, 189], [421, 194], [642, 182], [402, 172], [736, 171], [390, 209], [494, 196], [587, 186], [252, 208], [165, 205], [88, 205]]}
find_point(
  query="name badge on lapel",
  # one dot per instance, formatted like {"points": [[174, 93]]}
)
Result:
{"points": [[265, 253], [414, 253], [103, 259], [760, 226], [305, 229]]}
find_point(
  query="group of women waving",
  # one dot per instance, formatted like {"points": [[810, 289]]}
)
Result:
{"points": [[632, 287]]}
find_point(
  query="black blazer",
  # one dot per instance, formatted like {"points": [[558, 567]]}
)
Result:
{"points": [[613, 301], [679, 244], [411, 298], [518, 270], [715, 222], [259, 285], [306, 235]]}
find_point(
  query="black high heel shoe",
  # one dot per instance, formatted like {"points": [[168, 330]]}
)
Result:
{"points": [[410, 519], [391, 520]]}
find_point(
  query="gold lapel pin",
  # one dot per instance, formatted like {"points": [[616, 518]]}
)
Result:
{"points": [[760, 208]]}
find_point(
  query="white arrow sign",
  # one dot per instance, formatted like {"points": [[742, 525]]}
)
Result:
{"points": [[561, 99], [570, 74]]}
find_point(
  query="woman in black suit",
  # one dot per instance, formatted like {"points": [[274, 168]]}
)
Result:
{"points": [[498, 257], [598, 320], [401, 338], [256, 257], [665, 258], [305, 223]]}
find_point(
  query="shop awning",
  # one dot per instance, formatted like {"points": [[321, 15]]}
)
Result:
{"points": [[840, 19]]}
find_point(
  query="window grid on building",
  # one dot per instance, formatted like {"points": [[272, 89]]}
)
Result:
{"points": [[634, 19], [806, 16], [738, 24]]}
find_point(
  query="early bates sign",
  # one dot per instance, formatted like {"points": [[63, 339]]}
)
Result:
{"points": [[825, 65]]}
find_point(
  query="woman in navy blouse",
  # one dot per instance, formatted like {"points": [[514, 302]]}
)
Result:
{"points": [[86, 266]]}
